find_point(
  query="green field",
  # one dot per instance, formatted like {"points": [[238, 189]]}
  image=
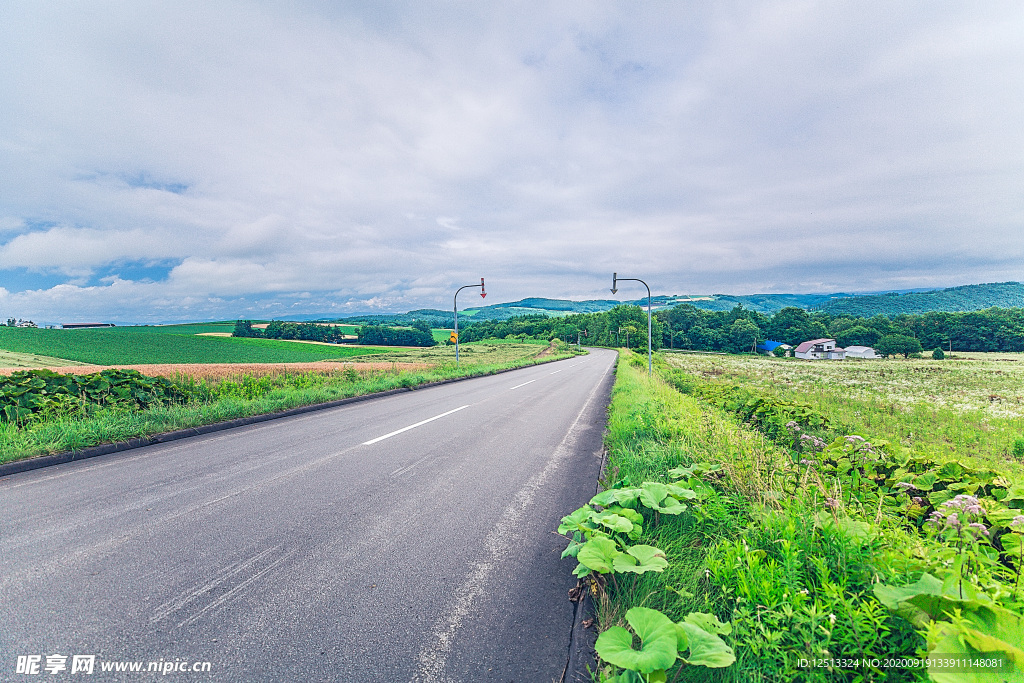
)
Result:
{"points": [[10, 359], [186, 328], [118, 346], [970, 407]]}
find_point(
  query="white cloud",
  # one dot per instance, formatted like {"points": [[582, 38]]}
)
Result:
{"points": [[378, 154]]}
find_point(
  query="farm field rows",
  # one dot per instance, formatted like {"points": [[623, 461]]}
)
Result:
{"points": [[114, 346], [19, 361], [225, 328]]}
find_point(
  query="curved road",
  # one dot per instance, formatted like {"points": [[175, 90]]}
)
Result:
{"points": [[406, 538]]}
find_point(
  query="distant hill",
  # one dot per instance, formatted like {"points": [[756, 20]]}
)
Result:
{"points": [[953, 299], [764, 303], [966, 298]]}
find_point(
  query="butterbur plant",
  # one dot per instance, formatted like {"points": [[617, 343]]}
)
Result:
{"points": [[601, 534], [694, 641]]}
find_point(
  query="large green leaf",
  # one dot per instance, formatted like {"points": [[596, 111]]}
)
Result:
{"points": [[925, 482], [987, 634], [575, 544], [670, 506], [706, 649], [622, 497], [629, 513], [652, 493], [598, 554], [640, 559], [708, 622], [613, 521], [657, 636], [930, 599], [576, 519], [680, 492]]}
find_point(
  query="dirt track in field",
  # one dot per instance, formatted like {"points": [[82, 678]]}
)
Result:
{"points": [[228, 370]]}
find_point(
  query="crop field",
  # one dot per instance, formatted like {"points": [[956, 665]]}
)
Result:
{"points": [[113, 346], [11, 359], [969, 406], [473, 353], [184, 328]]}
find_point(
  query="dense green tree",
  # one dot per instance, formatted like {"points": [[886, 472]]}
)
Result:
{"points": [[892, 344], [243, 328], [741, 337], [858, 335]]}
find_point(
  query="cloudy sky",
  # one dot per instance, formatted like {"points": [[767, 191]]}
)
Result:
{"points": [[213, 159]]}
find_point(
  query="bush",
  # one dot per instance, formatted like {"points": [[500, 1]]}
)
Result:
{"points": [[937, 354], [31, 392]]}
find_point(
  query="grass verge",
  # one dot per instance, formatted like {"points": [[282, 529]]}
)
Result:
{"points": [[813, 552]]}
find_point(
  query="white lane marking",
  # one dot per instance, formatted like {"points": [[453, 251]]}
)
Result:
{"points": [[556, 372], [433, 657], [523, 384], [418, 424]]}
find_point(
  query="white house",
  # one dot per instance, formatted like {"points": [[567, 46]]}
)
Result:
{"points": [[861, 352], [820, 349]]}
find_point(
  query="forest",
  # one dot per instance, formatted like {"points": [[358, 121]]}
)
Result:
{"points": [[740, 330]]}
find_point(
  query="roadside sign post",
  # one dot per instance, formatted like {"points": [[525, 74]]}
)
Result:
{"points": [[455, 334], [615, 288]]}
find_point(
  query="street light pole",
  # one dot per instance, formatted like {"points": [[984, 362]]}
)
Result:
{"points": [[483, 293], [615, 288]]}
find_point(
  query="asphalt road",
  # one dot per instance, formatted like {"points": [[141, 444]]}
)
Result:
{"points": [[406, 538]]}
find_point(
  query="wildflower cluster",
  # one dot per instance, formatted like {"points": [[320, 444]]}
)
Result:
{"points": [[962, 513], [812, 442]]}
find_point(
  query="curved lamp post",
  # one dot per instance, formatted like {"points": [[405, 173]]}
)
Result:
{"points": [[615, 288], [483, 293]]}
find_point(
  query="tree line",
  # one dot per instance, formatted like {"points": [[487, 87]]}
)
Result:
{"points": [[372, 335], [741, 330]]}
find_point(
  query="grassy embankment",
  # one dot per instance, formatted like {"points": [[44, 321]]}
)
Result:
{"points": [[791, 538], [69, 427]]}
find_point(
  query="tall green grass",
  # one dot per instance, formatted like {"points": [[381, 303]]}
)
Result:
{"points": [[791, 583]]}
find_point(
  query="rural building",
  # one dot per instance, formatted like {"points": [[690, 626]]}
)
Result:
{"points": [[84, 326], [769, 346], [820, 349], [861, 352]]}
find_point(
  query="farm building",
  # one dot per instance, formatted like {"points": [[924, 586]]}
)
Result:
{"points": [[820, 349], [770, 346], [861, 352]]}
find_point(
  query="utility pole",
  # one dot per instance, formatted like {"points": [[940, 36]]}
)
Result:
{"points": [[455, 334], [615, 288]]}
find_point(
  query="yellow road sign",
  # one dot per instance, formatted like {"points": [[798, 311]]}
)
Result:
{"points": [[454, 338]]}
